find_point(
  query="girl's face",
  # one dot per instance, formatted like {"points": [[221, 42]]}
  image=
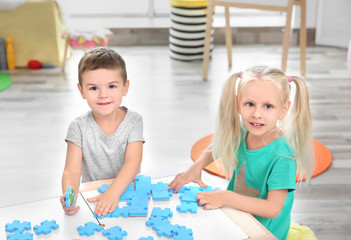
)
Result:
{"points": [[260, 108], [103, 89]]}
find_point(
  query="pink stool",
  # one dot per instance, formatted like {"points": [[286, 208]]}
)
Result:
{"points": [[84, 39]]}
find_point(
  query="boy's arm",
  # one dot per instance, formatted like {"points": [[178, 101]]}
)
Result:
{"points": [[108, 201], [72, 173], [269, 208]]}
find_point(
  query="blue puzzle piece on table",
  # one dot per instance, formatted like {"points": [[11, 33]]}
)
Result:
{"points": [[103, 188], [161, 196], [46, 227], [190, 194], [102, 217], [124, 211], [20, 236], [89, 229], [209, 189], [70, 197], [17, 226], [163, 213], [164, 228], [143, 183], [146, 238], [182, 189], [115, 233], [128, 193], [185, 207], [183, 233]]}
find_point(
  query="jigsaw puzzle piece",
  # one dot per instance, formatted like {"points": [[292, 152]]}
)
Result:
{"points": [[17, 226], [146, 238], [46, 227], [185, 207], [190, 194], [143, 183], [115, 233], [89, 229], [128, 193], [20, 236], [163, 213], [103, 188], [183, 233]]}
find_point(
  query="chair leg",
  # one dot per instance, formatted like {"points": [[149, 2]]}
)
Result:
{"points": [[286, 39], [228, 36], [206, 56], [64, 57], [303, 38]]}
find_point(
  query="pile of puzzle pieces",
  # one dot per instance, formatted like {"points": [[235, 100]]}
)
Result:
{"points": [[19, 229]]}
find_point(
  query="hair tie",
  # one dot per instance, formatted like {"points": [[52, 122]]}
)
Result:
{"points": [[290, 78], [240, 74]]}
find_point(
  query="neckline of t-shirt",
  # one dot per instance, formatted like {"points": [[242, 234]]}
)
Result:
{"points": [[120, 126], [269, 145]]}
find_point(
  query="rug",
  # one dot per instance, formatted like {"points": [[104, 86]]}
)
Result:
{"points": [[5, 81], [322, 154]]}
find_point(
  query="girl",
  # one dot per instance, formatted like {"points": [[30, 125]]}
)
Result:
{"points": [[262, 150]]}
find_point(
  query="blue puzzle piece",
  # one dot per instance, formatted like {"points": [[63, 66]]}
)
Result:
{"points": [[46, 227], [164, 213], [185, 207], [89, 229], [159, 187], [143, 183], [128, 193], [121, 212], [154, 220], [183, 233], [146, 238], [114, 233], [161, 196], [103, 188], [190, 194], [20, 236], [164, 228], [182, 189], [209, 189], [16, 226]]}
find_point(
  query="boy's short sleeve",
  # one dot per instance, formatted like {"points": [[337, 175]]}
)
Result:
{"points": [[74, 134], [136, 133], [283, 175]]}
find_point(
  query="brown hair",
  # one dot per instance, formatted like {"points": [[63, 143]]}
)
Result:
{"points": [[101, 57]]}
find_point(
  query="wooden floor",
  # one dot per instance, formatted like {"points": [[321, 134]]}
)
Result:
{"points": [[178, 109]]}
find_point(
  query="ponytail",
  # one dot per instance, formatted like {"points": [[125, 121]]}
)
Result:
{"points": [[227, 136], [298, 126]]}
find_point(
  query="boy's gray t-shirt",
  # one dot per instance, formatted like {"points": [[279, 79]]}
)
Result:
{"points": [[104, 155]]}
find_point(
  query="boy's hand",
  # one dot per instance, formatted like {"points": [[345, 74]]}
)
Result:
{"points": [[107, 203], [68, 210]]}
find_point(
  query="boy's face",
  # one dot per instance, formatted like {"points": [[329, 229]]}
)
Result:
{"points": [[103, 89]]}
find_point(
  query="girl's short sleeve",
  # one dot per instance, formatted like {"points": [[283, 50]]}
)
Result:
{"points": [[283, 175]]}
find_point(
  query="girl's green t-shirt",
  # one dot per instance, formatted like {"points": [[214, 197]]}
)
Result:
{"points": [[270, 168]]}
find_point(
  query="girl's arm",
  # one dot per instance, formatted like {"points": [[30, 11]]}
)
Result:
{"points": [[269, 208], [108, 201], [193, 174], [71, 174]]}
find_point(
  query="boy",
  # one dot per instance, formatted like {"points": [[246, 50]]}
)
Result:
{"points": [[106, 142]]}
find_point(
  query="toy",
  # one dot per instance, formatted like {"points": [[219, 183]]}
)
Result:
{"points": [[3, 59], [103, 188], [16, 226], [185, 207], [114, 233], [163, 213], [89, 229], [10, 54], [36, 64], [5, 81], [183, 233], [146, 238], [19, 236], [46, 227], [128, 193], [160, 191], [70, 197]]}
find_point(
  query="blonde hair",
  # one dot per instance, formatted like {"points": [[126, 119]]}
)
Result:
{"points": [[297, 125]]}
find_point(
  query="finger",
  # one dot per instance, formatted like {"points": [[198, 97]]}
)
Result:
{"points": [[201, 183], [175, 181], [93, 199]]}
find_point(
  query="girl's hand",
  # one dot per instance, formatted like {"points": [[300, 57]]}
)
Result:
{"points": [[211, 200], [106, 203], [192, 175], [68, 210]]}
